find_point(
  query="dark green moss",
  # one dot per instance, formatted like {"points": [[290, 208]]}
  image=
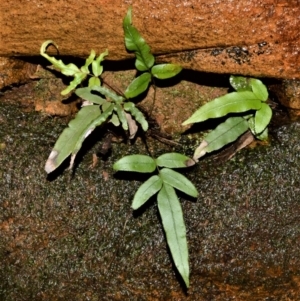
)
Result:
{"points": [[75, 237]]}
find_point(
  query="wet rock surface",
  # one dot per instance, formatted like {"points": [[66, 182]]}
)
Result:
{"points": [[75, 237]]}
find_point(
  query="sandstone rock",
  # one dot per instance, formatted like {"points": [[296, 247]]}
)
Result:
{"points": [[249, 37], [41, 94], [291, 89], [288, 94], [14, 71]]}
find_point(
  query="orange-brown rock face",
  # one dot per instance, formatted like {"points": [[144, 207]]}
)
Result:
{"points": [[249, 37]]}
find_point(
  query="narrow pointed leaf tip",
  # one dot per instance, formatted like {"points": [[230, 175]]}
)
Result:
{"points": [[173, 222], [128, 19]]}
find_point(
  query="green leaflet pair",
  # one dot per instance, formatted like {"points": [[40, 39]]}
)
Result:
{"points": [[164, 184]]}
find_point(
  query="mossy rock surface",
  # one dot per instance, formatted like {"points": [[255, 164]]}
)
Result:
{"points": [[75, 237]]}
